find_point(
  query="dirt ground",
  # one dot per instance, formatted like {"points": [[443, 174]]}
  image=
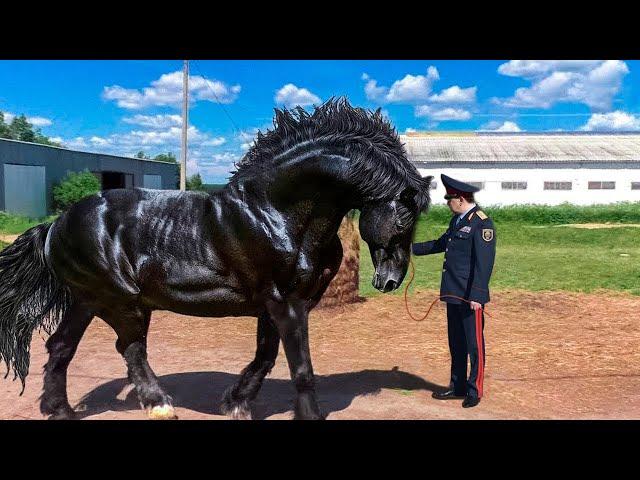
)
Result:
{"points": [[549, 356], [8, 238]]}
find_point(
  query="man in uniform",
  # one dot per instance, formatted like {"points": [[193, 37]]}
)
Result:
{"points": [[469, 247]]}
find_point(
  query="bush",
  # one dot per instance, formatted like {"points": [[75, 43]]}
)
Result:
{"points": [[74, 187], [621, 212]]}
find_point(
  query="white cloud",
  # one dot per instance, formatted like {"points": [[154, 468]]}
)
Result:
{"points": [[149, 141], [39, 121], [99, 141], [410, 89], [77, 143], [612, 121], [291, 96], [373, 91], [593, 83], [410, 130], [495, 126], [535, 68], [155, 121], [167, 91], [214, 142], [35, 121], [442, 114], [455, 94]]}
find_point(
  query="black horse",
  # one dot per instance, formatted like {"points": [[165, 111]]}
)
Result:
{"points": [[265, 246]]}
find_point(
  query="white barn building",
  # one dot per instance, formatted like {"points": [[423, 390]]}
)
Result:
{"points": [[546, 168]]}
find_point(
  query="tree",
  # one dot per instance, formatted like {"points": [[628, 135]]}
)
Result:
{"points": [[21, 129], [141, 154], [194, 182], [167, 158], [4, 128]]}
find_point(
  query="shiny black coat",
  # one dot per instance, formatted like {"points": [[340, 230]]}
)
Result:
{"points": [[468, 257], [192, 253]]}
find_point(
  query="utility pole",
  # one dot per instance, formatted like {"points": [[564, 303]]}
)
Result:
{"points": [[185, 124]]}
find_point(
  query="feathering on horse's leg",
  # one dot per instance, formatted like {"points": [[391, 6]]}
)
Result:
{"points": [[291, 319], [62, 346], [131, 324], [236, 398]]}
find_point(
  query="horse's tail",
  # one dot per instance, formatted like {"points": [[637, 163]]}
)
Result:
{"points": [[30, 297]]}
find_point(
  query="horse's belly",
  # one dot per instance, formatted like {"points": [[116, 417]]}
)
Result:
{"points": [[216, 302], [195, 290]]}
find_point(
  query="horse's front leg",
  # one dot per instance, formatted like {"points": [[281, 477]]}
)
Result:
{"points": [[291, 320]]}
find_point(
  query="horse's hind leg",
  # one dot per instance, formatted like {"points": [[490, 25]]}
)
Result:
{"points": [[132, 327], [62, 346], [236, 398]]}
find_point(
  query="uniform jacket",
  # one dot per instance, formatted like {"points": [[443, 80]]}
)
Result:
{"points": [[469, 253]]}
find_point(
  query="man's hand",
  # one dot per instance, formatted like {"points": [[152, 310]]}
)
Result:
{"points": [[475, 306]]}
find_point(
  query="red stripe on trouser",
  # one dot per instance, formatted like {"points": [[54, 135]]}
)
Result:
{"points": [[480, 375]]}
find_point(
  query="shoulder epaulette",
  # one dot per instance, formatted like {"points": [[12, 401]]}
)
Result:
{"points": [[482, 215]]}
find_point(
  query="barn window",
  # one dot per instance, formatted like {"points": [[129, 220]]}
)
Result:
{"points": [[635, 185], [514, 185], [557, 185], [602, 185], [479, 185]]}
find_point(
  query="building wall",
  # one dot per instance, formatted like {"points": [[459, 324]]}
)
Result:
{"points": [[535, 176], [59, 162]]}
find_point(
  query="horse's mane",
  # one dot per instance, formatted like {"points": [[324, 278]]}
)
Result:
{"points": [[378, 164]]}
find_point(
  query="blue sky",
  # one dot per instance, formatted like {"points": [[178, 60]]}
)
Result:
{"points": [[122, 107]]}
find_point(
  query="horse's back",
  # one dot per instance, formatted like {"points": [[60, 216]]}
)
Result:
{"points": [[105, 238]]}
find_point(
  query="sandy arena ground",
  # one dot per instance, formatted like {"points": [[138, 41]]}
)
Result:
{"points": [[549, 356]]}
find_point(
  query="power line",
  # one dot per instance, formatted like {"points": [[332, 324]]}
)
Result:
{"points": [[207, 83]]}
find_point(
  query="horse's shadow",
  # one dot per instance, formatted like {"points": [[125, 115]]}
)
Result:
{"points": [[202, 391]]}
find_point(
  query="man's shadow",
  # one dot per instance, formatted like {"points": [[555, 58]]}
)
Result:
{"points": [[202, 391]]}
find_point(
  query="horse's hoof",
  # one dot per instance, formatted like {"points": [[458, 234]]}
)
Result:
{"points": [[237, 410], [162, 412], [65, 414], [240, 412], [309, 416]]}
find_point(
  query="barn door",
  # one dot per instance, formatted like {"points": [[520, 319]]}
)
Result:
{"points": [[152, 181], [25, 191]]}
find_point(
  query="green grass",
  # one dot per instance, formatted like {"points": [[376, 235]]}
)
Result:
{"points": [[536, 258], [16, 224], [2, 245]]}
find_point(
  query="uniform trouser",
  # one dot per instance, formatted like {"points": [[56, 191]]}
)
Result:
{"points": [[466, 338]]}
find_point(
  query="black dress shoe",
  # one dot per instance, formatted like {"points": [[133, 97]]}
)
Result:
{"points": [[447, 395], [470, 402]]}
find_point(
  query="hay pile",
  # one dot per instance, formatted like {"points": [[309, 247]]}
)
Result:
{"points": [[344, 286]]}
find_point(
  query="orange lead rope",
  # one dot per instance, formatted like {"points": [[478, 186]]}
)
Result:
{"points": [[439, 297]]}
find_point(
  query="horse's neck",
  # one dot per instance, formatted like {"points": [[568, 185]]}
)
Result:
{"points": [[305, 191]]}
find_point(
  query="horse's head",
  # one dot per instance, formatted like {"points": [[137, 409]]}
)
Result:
{"points": [[388, 228]]}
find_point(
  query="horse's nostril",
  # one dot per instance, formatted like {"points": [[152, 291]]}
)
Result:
{"points": [[390, 285]]}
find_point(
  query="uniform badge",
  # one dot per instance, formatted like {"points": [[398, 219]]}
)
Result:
{"points": [[487, 234], [466, 229]]}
